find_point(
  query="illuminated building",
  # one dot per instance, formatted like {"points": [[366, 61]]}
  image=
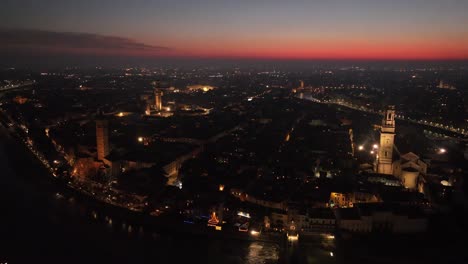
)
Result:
{"points": [[387, 136], [213, 221], [148, 109], [198, 87], [293, 236], [304, 222], [158, 99], [349, 199], [411, 171], [102, 137], [86, 164]]}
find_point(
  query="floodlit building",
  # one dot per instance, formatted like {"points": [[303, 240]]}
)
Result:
{"points": [[410, 169], [158, 99], [313, 221], [349, 199], [199, 87], [387, 136]]}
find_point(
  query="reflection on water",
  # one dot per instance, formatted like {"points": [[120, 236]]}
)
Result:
{"points": [[250, 252], [204, 249], [262, 253]]}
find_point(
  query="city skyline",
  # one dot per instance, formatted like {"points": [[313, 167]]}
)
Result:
{"points": [[420, 30], [234, 131]]}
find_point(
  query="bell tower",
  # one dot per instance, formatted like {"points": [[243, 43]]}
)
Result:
{"points": [[387, 136]]}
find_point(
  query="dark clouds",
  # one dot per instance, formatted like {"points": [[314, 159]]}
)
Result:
{"points": [[30, 40]]}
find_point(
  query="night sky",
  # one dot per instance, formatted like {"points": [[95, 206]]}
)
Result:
{"points": [[269, 29]]}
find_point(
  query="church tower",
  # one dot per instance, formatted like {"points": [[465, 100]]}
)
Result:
{"points": [[387, 136]]}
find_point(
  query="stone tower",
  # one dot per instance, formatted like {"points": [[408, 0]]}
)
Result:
{"points": [[102, 137], [387, 136], [158, 99]]}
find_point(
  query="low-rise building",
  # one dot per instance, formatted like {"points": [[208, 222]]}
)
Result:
{"points": [[311, 221], [338, 199], [381, 217]]}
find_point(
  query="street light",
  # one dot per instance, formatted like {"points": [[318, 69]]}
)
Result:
{"points": [[254, 233], [140, 139], [375, 146], [442, 151], [361, 147]]}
